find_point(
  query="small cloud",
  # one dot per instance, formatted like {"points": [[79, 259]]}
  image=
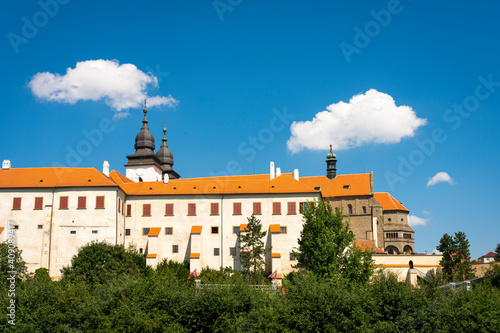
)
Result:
{"points": [[120, 115], [436, 252], [120, 86], [440, 177], [372, 117], [415, 221]]}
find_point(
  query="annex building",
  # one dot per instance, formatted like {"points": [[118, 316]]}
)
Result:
{"points": [[54, 211]]}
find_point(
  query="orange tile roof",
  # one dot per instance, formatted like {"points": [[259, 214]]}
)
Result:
{"points": [[276, 255], [196, 229], [194, 256], [154, 232], [53, 177], [151, 255], [359, 184], [244, 227], [275, 228], [388, 202], [118, 177], [257, 184]]}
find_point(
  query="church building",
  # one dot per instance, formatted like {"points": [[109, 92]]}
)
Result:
{"points": [[52, 212]]}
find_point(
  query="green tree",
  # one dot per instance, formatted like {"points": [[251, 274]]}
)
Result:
{"points": [[326, 246], [456, 257], [101, 262], [11, 260], [252, 249], [497, 252]]}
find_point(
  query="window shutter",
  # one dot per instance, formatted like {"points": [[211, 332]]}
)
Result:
{"points": [[257, 208], [292, 208], [146, 210], [214, 208], [16, 204], [129, 210], [276, 208], [169, 209], [237, 208], [63, 203], [99, 202], [82, 202], [38, 203]]}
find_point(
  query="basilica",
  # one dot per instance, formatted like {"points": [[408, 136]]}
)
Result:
{"points": [[52, 212]]}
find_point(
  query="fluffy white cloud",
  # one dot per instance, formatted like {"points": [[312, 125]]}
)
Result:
{"points": [[436, 251], [120, 86], [369, 117], [415, 220], [440, 177]]}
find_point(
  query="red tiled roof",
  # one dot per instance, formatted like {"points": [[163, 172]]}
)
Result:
{"points": [[367, 246], [388, 202], [340, 186], [53, 177], [488, 255]]}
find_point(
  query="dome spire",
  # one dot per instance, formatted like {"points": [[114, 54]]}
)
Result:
{"points": [[144, 138], [331, 164], [164, 154]]}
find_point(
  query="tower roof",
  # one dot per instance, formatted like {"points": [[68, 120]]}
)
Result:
{"points": [[164, 154], [144, 139]]}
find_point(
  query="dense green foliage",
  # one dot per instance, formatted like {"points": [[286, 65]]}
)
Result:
{"points": [[456, 257], [164, 300], [11, 260], [102, 262], [497, 252], [252, 249], [326, 245]]}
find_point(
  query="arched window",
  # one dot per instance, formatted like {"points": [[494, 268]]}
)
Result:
{"points": [[140, 180], [364, 210], [349, 209], [407, 249], [391, 250]]}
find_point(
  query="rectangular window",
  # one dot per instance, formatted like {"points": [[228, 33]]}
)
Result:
{"points": [[292, 209], [99, 202], [214, 208], [232, 251], [169, 231], [215, 230], [216, 251], [236, 208], [283, 230], [16, 204], [236, 230], [129, 210], [145, 231], [257, 208], [94, 231], [119, 205], [63, 203], [301, 207], [175, 248], [191, 209], [127, 232], [40, 226], [73, 232], [38, 203], [140, 250], [292, 256], [146, 210], [82, 202], [169, 209], [276, 208]]}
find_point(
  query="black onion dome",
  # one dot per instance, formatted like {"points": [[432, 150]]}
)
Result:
{"points": [[144, 139], [164, 154]]}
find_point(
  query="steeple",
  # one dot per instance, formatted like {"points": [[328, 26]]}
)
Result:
{"points": [[331, 164], [164, 154], [144, 139]]}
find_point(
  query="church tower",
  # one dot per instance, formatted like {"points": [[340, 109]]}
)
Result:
{"points": [[166, 158], [143, 165], [331, 164]]}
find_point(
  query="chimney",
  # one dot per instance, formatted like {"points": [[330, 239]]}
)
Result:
{"points": [[105, 168], [296, 174], [6, 165], [165, 178], [278, 172], [271, 172]]}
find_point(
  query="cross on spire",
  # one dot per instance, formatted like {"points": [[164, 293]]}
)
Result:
{"points": [[145, 102]]}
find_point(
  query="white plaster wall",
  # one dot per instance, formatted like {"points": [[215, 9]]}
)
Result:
{"points": [[147, 173], [225, 239]]}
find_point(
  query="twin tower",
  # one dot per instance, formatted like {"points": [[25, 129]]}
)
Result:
{"points": [[144, 164]]}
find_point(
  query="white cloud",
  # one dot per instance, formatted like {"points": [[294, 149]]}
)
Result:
{"points": [[367, 118], [436, 251], [120, 86], [415, 220], [120, 115], [440, 177]]}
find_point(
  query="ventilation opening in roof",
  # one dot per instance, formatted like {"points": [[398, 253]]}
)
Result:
{"points": [[318, 188], [346, 187]]}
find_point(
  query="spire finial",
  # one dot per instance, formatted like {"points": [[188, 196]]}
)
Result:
{"points": [[145, 103]]}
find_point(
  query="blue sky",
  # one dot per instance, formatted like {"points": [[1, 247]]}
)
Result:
{"points": [[230, 77]]}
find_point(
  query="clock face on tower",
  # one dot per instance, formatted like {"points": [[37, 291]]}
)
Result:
{"points": [[139, 172]]}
